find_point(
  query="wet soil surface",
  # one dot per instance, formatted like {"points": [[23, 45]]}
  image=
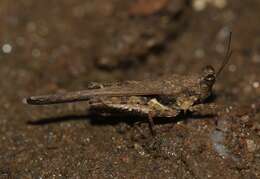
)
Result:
{"points": [[63, 45]]}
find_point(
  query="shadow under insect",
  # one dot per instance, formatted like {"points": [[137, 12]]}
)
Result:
{"points": [[114, 119]]}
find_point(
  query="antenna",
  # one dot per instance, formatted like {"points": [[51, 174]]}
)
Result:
{"points": [[228, 54]]}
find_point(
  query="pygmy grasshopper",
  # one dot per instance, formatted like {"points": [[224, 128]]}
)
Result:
{"points": [[164, 97]]}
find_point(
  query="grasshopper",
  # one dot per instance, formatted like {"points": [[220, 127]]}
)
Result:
{"points": [[164, 97]]}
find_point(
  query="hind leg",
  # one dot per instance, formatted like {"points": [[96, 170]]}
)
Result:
{"points": [[151, 110]]}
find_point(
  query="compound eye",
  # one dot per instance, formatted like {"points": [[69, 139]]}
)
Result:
{"points": [[210, 77]]}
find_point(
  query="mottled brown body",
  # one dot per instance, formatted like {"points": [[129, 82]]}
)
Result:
{"points": [[159, 97], [163, 97]]}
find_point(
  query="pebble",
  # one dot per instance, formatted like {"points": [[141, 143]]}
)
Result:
{"points": [[200, 5], [219, 3], [245, 118], [256, 58], [36, 53], [251, 146], [7, 48], [256, 84], [232, 68]]}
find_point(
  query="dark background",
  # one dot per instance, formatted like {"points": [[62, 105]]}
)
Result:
{"points": [[63, 45]]}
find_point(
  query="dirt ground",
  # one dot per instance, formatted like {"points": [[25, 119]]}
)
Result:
{"points": [[63, 45]]}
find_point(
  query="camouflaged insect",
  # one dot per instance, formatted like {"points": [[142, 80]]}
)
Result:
{"points": [[164, 97]]}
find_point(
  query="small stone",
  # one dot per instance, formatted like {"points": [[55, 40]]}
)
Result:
{"points": [[87, 139], [253, 106], [256, 58], [36, 53], [256, 84], [251, 146], [7, 48], [199, 5], [245, 118], [232, 68], [219, 3]]}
